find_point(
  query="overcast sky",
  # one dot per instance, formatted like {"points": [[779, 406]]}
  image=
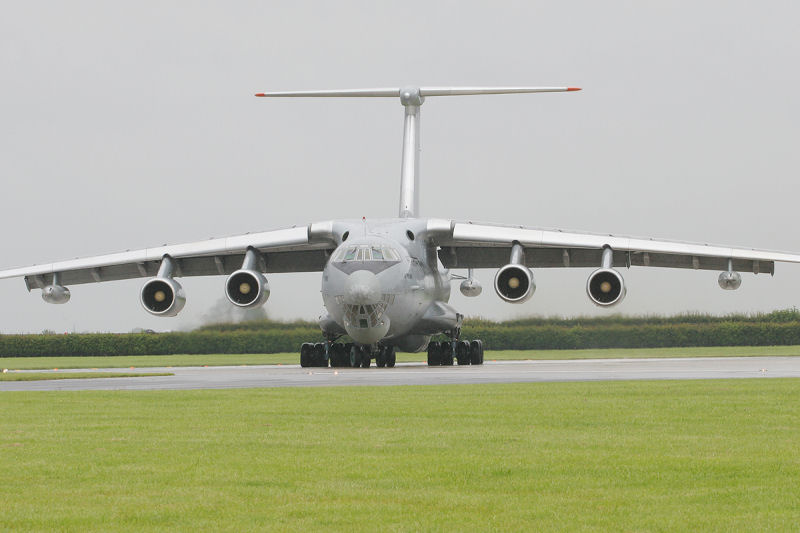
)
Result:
{"points": [[132, 124]]}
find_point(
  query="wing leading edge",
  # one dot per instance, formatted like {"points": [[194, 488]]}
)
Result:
{"points": [[296, 249], [470, 245]]}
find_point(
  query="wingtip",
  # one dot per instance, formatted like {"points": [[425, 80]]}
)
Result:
{"points": [[573, 88], [260, 94]]}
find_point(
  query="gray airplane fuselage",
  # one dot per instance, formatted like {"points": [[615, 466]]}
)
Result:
{"points": [[384, 284]]}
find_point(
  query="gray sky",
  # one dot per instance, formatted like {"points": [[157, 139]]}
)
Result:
{"points": [[127, 125]]}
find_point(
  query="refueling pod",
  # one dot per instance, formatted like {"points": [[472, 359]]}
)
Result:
{"points": [[162, 295], [55, 293], [470, 287], [730, 280], [605, 285], [514, 281], [248, 287]]}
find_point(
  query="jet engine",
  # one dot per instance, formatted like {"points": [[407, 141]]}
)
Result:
{"points": [[514, 282], [247, 288], [605, 285], [163, 297]]}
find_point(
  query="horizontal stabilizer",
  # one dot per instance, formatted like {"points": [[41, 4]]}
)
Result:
{"points": [[423, 91]]}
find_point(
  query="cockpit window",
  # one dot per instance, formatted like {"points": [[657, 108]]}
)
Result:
{"points": [[367, 253]]}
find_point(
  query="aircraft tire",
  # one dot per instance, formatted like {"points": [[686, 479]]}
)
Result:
{"points": [[446, 354], [391, 357], [365, 357], [476, 352], [380, 357], [306, 350], [334, 355], [434, 354], [338, 355], [462, 352], [319, 355], [355, 356]]}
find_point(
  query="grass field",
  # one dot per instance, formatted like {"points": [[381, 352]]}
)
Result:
{"points": [[143, 361], [662, 455], [46, 376]]}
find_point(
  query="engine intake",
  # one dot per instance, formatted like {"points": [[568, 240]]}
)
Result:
{"points": [[514, 283], [247, 288], [163, 297], [605, 287]]}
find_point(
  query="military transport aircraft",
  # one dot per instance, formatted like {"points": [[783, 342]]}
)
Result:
{"points": [[386, 283]]}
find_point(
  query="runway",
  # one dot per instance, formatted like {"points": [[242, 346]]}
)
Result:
{"points": [[231, 377]]}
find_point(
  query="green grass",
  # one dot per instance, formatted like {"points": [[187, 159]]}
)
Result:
{"points": [[46, 376], [144, 361], [614, 456]]}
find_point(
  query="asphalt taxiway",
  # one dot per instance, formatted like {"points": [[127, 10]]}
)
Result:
{"points": [[230, 377]]}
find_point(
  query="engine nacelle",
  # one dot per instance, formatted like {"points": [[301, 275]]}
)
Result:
{"points": [[514, 283], [163, 297], [730, 281], [471, 288], [55, 294], [247, 288], [605, 287]]}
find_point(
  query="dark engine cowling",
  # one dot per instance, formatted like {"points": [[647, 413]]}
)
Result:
{"points": [[605, 287], [247, 288], [514, 283], [163, 297]]}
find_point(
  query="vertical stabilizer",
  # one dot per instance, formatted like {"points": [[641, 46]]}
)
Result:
{"points": [[412, 99], [409, 167]]}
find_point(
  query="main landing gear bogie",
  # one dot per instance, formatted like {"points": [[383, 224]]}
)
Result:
{"points": [[345, 355], [462, 352]]}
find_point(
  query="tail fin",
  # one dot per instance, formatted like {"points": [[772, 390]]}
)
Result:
{"points": [[412, 98]]}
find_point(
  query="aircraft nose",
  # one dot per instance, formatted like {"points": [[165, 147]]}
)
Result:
{"points": [[362, 288]]}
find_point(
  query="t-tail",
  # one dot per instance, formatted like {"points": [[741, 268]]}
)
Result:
{"points": [[412, 99]]}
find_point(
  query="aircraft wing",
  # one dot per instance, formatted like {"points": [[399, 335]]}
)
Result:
{"points": [[478, 245], [296, 249]]}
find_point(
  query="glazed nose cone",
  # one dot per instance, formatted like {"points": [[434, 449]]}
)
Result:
{"points": [[362, 288]]}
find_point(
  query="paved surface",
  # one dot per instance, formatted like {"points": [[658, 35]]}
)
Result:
{"points": [[229, 377]]}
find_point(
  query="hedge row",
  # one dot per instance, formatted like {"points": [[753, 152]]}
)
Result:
{"points": [[494, 337], [155, 344], [780, 316], [644, 336]]}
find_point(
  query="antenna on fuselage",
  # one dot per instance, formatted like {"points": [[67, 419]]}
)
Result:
{"points": [[412, 99]]}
